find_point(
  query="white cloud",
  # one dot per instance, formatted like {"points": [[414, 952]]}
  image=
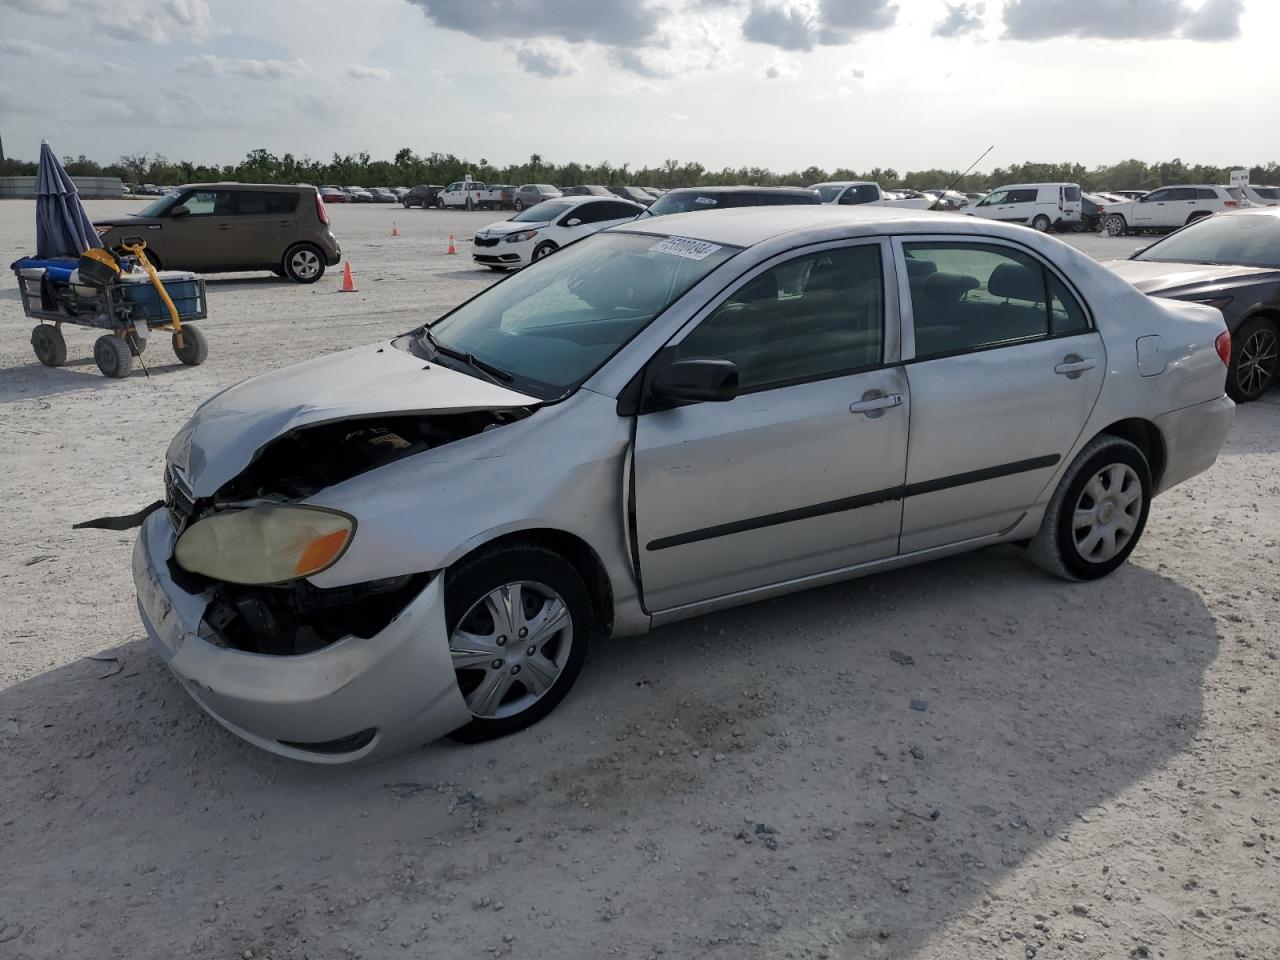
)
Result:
{"points": [[675, 115], [545, 59], [210, 65], [780, 68], [358, 72]]}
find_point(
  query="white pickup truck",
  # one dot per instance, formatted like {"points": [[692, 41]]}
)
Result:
{"points": [[848, 192], [468, 195]]}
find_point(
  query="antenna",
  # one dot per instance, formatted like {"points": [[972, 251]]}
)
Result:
{"points": [[935, 203]]}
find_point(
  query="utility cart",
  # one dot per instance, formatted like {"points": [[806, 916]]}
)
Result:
{"points": [[123, 296]]}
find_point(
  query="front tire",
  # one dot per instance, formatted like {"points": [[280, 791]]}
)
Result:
{"points": [[1098, 512], [1255, 347], [195, 348], [1115, 226], [520, 621], [303, 263], [544, 249], [517, 205], [1041, 223]]}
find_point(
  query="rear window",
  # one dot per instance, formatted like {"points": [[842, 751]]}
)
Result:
{"points": [[1236, 193], [1071, 194]]}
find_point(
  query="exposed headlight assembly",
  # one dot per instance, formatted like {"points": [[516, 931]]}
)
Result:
{"points": [[266, 544], [522, 235]]}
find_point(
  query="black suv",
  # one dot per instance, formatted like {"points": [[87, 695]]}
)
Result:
{"points": [[423, 195], [692, 199]]}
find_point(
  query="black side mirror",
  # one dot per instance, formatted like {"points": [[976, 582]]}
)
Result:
{"points": [[695, 381]]}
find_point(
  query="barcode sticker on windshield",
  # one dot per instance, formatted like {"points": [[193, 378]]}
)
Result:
{"points": [[709, 201], [684, 247]]}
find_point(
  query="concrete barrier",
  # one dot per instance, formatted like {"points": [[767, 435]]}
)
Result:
{"points": [[91, 188]]}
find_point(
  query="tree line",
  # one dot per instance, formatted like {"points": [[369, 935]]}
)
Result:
{"points": [[408, 168]]}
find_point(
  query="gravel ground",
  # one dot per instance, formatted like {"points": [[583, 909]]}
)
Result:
{"points": [[959, 760]]}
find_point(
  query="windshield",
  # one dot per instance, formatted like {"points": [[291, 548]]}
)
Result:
{"points": [[829, 191], [157, 207], [552, 325], [684, 202], [543, 212], [1251, 240]]}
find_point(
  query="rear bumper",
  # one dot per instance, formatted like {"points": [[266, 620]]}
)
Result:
{"points": [[1193, 436], [399, 684]]}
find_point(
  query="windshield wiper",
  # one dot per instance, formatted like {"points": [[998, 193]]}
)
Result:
{"points": [[495, 374]]}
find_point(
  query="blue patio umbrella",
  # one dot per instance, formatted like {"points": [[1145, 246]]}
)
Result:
{"points": [[63, 229]]}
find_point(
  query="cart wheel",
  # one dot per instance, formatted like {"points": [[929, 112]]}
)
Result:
{"points": [[195, 348], [50, 347], [137, 344], [113, 356]]}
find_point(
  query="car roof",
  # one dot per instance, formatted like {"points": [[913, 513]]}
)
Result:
{"points": [[769, 190], [748, 226], [232, 185]]}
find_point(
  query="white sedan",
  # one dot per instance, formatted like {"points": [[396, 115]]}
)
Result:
{"points": [[543, 229]]}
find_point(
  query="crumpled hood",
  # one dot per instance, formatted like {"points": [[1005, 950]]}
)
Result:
{"points": [[1152, 276], [504, 227], [228, 430]]}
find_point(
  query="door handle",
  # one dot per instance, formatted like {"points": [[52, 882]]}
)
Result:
{"points": [[874, 403], [1072, 365]]}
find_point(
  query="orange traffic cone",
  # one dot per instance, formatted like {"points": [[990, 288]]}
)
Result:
{"points": [[395, 231], [348, 281], [452, 248]]}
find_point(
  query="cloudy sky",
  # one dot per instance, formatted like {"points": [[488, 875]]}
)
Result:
{"points": [[778, 83]]}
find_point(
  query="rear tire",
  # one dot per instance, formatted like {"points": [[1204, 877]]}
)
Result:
{"points": [[49, 346], [113, 356], [517, 205], [195, 348], [1254, 349], [303, 263], [1096, 516], [548, 587]]}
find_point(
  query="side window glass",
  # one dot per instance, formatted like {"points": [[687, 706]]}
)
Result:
{"points": [[1066, 316], [1204, 193], [1157, 196], [585, 212], [974, 296], [249, 202], [995, 198], [813, 317], [208, 203], [278, 203]]}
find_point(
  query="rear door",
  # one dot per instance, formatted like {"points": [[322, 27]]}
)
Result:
{"points": [[266, 223], [801, 473], [1004, 368], [202, 238], [1021, 206]]}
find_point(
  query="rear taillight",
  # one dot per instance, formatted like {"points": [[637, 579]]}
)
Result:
{"points": [[1229, 203], [1223, 345], [321, 212]]}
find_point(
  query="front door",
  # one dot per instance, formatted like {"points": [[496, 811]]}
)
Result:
{"points": [[1004, 368], [202, 234], [798, 475], [1160, 208]]}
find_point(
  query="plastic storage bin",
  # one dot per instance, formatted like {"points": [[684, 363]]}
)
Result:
{"points": [[146, 304]]}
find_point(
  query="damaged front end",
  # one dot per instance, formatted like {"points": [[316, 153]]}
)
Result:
{"points": [[295, 617]]}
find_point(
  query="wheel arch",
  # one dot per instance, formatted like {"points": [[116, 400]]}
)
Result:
{"points": [[577, 552], [1144, 435]]}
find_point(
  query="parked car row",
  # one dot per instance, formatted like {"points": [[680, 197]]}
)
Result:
{"points": [[478, 195]]}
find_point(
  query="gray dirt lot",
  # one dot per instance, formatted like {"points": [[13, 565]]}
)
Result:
{"points": [[1095, 776]]}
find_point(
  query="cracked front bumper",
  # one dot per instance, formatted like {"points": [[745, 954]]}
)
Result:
{"points": [[320, 706]]}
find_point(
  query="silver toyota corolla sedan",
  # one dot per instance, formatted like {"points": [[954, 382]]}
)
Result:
{"points": [[421, 537]]}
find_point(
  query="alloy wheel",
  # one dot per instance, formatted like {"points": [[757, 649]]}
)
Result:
{"points": [[510, 647], [1256, 365], [305, 264], [1107, 513]]}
